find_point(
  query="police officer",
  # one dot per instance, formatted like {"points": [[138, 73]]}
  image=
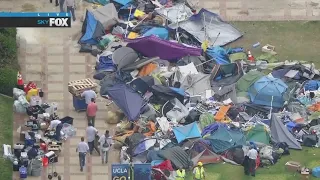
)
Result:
{"points": [[181, 174], [198, 172]]}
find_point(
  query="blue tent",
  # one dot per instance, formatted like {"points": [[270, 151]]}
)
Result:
{"points": [[267, 91], [92, 30], [130, 102], [186, 132], [162, 33]]}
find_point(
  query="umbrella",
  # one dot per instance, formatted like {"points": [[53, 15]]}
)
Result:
{"points": [[267, 91]]}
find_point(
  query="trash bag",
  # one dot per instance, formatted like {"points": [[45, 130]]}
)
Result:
{"points": [[68, 130], [310, 140], [284, 146], [23, 101], [193, 116], [17, 93], [266, 153], [18, 107]]}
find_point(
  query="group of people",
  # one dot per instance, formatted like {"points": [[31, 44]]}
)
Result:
{"points": [[104, 141], [71, 6]]}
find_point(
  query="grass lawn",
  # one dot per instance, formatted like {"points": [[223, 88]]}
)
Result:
{"points": [[293, 41], [296, 40], [6, 125]]}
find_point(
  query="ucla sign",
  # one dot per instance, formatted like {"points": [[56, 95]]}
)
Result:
{"points": [[120, 171]]}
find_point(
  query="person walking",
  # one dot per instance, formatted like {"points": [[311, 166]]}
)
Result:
{"points": [[61, 4], [91, 135], [82, 149], [92, 109], [181, 174], [105, 143], [57, 3], [252, 155], [198, 172], [71, 5]]}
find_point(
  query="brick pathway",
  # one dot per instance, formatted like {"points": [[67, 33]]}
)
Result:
{"points": [[50, 57]]}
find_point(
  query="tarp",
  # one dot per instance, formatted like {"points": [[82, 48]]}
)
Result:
{"points": [[247, 80], [101, 2], [161, 33], [186, 132], [280, 133], [172, 13], [124, 56], [218, 54], [207, 25], [258, 133], [144, 145], [92, 30], [107, 15], [262, 91], [142, 171], [124, 97], [152, 46], [225, 138]]}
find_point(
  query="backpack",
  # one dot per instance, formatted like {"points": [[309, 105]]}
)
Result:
{"points": [[106, 144]]}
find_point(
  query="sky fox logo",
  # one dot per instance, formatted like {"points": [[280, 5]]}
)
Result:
{"points": [[55, 22]]}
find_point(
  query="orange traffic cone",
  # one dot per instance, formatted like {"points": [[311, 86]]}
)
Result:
{"points": [[19, 80], [250, 57]]}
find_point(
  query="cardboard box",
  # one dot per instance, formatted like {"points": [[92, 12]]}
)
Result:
{"points": [[293, 166]]}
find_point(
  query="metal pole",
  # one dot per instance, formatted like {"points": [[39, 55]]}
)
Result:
{"points": [[128, 21]]}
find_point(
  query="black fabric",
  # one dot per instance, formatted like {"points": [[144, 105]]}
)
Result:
{"points": [[245, 165], [193, 116], [196, 60], [314, 122], [226, 74], [165, 94], [284, 146], [85, 48], [32, 153], [140, 86], [95, 52], [310, 139]]}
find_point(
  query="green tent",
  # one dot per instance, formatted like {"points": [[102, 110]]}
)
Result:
{"points": [[206, 119], [259, 134], [247, 80]]}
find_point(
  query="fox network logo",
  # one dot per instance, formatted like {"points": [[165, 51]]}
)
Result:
{"points": [[55, 22]]}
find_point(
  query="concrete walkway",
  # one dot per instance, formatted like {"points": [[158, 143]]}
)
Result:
{"points": [[50, 58]]}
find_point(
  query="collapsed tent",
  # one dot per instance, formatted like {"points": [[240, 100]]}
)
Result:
{"points": [[123, 96], [92, 30], [225, 138], [268, 91], [196, 84], [258, 133], [279, 133], [152, 46], [226, 74], [200, 152], [186, 132], [177, 156], [247, 80], [206, 25]]}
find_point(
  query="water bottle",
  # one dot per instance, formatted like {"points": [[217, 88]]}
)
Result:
{"points": [[256, 45]]}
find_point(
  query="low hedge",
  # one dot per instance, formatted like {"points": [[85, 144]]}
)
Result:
{"points": [[8, 48], [8, 80]]}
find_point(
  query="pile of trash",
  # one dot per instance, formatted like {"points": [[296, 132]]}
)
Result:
{"points": [[186, 98]]}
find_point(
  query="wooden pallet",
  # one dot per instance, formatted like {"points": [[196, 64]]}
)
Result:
{"points": [[78, 86]]}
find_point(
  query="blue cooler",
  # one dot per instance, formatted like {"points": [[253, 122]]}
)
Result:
{"points": [[23, 172], [316, 172], [79, 104]]}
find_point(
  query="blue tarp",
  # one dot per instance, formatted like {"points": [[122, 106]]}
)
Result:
{"points": [[218, 54], [92, 30], [101, 2], [312, 85], [127, 100], [105, 63], [162, 33], [266, 88], [211, 128], [186, 132], [122, 2]]}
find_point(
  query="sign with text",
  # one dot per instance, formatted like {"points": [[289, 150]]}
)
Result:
{"points": [[120, 171], [142, 171]]}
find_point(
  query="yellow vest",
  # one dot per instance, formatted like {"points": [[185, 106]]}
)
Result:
{"points": [[180, 174], [199, 174]]}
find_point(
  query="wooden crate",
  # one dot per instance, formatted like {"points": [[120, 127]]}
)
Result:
{"points": [[78, 86]]}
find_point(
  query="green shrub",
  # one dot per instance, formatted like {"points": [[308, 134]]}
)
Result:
{"points": [[8, 48], [8, 80]]}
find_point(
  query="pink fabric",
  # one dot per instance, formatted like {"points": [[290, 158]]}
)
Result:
{"points": [[92, 109]]}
